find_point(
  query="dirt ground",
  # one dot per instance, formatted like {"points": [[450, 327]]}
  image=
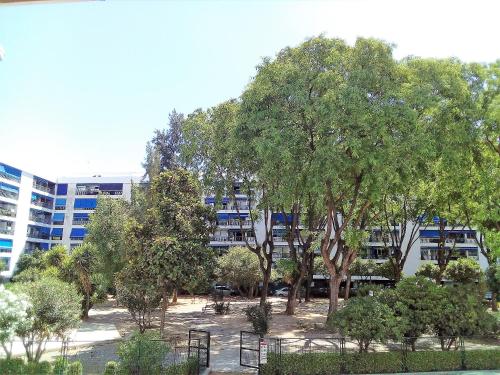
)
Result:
{"points": [[188, 314]]}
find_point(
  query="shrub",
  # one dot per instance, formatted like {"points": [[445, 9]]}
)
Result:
{"points": [[60, 365], [259, 317], [143, 353], [221, 308], [111, 368], [186, 368], [37, 368], [366, 319], [11, 366], [434, 361], [382, 362], [74, 368]]}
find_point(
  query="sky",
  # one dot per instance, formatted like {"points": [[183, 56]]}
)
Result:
{"points": [[83, 85]]}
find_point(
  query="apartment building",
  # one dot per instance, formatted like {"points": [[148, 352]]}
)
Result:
{"points": [[460, 241], [36, 213]]}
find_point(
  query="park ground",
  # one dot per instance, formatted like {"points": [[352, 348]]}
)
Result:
{"points": [[96, 341]]}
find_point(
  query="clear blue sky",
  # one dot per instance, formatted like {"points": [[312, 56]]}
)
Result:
{"points": [[84, 84]]}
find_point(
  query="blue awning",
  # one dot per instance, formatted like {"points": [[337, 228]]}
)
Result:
{"points": [[6, 244], [85, 203], [60, 201], [111, 187], [44, 246], [236, 216], [280, 218], [57, 232], [80, 216], [62, 189], [10, 170], [7, 187], [78, 232], [222, 216], [209, 200], [429, 233], [59, 216]]}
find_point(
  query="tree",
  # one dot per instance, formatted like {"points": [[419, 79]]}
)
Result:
{"points": [[107, 232], [163, 151], [463, 270], [240, 268], [428, 270], [81, 268], [54, 310], [218, 149], [417, 300], [330, 129], [13, 313], [33, 260], [179, 249], [365, 319], [461, 313], [143, 353], [137, 290]]}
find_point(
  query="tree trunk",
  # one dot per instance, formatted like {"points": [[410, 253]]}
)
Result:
{"points": [[397, 273], [309, 281], [334, 294], [250, 292], [87, 306], [347, 286], [174, 296], [494, 305], [292, 299], [164, 307], [265, 287]]}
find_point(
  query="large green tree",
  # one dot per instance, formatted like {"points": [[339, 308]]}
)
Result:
{"points": [[218, 149], [240, 268], [107, 232], [179, 251], [331, 129]]}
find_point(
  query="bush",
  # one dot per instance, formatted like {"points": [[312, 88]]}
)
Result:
{"points": [[187, 368], [142, 354], [60, 365], [259, 317], [365, 319], [221, 308], [74, 368], [111, 368], [383, 362], [37, 368], [11, 366]]}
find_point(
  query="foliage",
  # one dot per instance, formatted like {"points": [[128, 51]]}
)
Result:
{"points": [[365, 319], [259, 317], [240, 268], [380, 362], [26, 261], [111, 368], [428, 270], [81, 268], [186, 368], [463, 270], [13, 313], [460, 312], [136, 289], [286, 270], [417, 300], [182, 224], [143, 353], [107, 232], [54, 310], [16, 366], [493, 278], [221, 307]]}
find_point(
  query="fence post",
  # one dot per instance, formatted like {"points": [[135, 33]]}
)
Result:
{"points": [[404, 355], [280, 364], [343, 368], [462, 350]]}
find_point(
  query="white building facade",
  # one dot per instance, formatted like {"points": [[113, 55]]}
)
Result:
{"points": [[36, 213]]}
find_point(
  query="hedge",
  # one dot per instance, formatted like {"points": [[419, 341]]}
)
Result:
{"points": [[383, 362], [17, 366], [185, 368]]}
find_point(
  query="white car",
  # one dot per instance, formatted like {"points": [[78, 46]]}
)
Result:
{"points": [[282, 292]]}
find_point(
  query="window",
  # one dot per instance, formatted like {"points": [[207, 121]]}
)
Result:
{"points": [[60, 204]]}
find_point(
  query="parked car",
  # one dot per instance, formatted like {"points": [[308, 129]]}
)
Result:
{"points": [[223, 290], [282, 292]]}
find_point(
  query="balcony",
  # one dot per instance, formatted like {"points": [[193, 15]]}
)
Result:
{"points": [[7, 210], [42, 203], [40, 219], [44, 188], [80, 222], [10, 173], [233, 223], [9, 191]]}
